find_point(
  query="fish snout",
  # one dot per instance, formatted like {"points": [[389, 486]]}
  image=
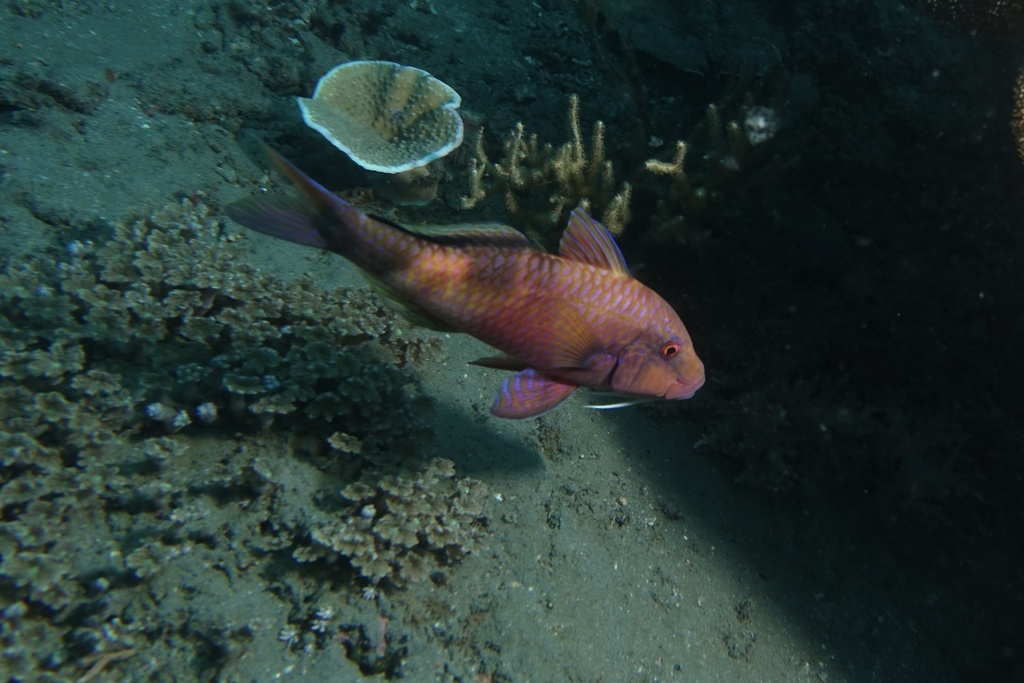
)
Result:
{"points": [[686, 387]]}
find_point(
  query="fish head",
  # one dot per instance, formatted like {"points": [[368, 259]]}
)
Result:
{"points": [[659, 362]]}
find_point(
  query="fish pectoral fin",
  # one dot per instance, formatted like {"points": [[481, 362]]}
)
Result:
{"points": [[529, 394], [500, 363], [575, 346]]}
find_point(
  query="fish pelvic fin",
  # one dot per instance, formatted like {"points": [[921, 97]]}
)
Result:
{"points": [[319, 220], [529, 394]]}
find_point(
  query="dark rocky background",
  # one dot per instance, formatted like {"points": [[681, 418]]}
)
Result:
{"points": [[853, 285]]}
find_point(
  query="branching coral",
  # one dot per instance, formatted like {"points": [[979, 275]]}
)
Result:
{"points": [[579, 177], [733, 153], [399, 527], [208, 339], [114, 356]]}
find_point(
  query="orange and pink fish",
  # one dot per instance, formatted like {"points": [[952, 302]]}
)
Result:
{"points": [[564, 321]]}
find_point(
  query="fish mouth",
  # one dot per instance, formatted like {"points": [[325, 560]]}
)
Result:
{"points": [[684, 390]]}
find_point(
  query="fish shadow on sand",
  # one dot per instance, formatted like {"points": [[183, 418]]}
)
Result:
{"points": [[477, 449]]}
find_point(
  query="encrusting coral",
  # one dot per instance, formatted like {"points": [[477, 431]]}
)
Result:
{"points": [[115, 358], [392, 120], [579, 177]]}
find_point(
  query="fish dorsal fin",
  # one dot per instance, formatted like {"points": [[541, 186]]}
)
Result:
{"points": [[468, 234], [588, 241]]}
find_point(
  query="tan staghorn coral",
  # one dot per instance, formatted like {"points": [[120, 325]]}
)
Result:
{"points": [[734, 155], [572, 175], [687, 197]]}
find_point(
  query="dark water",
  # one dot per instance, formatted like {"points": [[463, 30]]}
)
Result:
{"points": [[844, 249]]}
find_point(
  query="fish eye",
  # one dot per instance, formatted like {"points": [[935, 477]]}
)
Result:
{"points": [[670, 350]]}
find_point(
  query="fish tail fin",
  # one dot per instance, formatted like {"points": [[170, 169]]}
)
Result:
{"points": [[320, 219]]}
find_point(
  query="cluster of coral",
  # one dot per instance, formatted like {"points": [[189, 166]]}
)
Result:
{"points": [[400, 529], [399, 122], [119, 357], [163, 323], [541, 184]]}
